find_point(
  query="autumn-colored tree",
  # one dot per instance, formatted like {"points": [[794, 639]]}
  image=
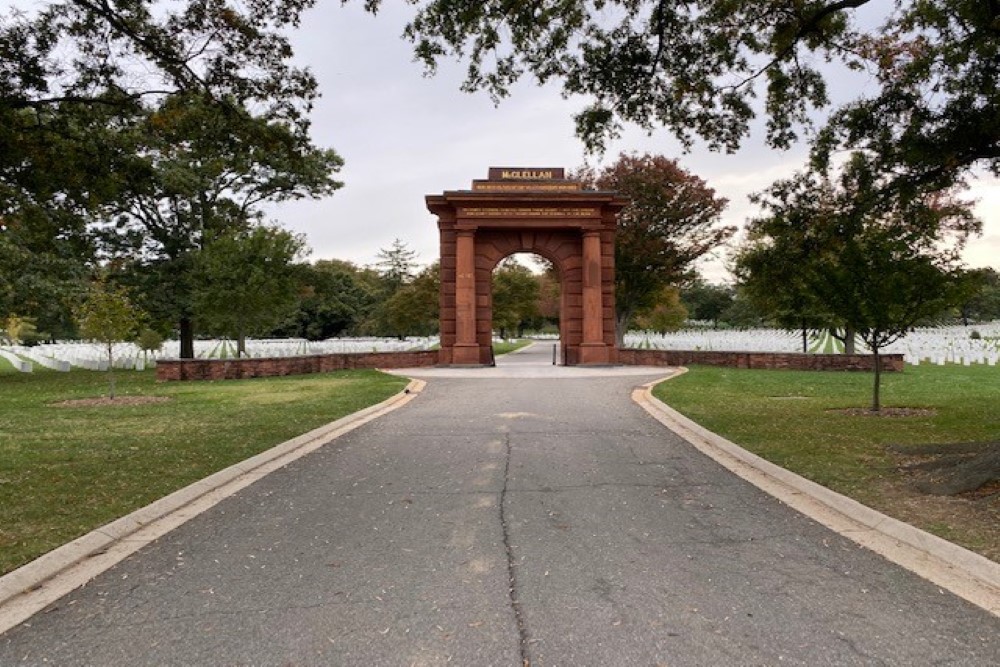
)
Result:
{"points": [[671, 221]]}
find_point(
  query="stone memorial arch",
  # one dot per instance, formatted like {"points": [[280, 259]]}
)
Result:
{"points": [[527, 210]]}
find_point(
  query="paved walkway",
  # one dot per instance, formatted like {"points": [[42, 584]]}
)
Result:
{"points": [[505, 521]]}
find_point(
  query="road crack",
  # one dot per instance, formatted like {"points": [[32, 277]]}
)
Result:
{"points": [[513, 589]]}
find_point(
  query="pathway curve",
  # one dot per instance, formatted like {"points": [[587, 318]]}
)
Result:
{"points": [[504, 518]]}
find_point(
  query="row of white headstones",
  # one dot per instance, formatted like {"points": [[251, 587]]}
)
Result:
{"points": [[93, 356], [935, 345], [938, 345]]}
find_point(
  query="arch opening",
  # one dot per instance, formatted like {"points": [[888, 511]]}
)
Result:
{"points": [[525, 297]]}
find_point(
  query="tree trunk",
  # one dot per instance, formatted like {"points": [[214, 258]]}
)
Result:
{"points": [[621, 324], [849, 335], [876, 389], [805, 339], [187, 338], [111, 371], [241, 345]]}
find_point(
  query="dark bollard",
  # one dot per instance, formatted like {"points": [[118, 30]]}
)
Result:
{"points": [[553, 355]]}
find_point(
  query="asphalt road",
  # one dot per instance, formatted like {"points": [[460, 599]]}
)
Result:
{"points": [[506, 519]]}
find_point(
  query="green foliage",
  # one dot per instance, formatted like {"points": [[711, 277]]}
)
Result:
{"points": [[670, 221], [413, 309], [149, 341], [669, 314], [246, 282], [705, 301], [68, 470], [17, 329], [108, 316], [873, 264], [984, 303], [931, 114], [396, 265], [143, 129], [516, 293], [336, 299]]}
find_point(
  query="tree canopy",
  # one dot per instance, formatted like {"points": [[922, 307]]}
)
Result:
{"points": [[706, 69]]}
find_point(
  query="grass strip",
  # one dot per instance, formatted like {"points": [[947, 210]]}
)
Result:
{"points": [[794, 419], [67, 470], [508, 346]]}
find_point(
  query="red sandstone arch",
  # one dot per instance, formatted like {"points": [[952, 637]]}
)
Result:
{"points": [[527, 210]]}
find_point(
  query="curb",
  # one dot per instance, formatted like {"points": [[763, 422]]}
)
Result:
{"points": [[968, 575], [35, 585]]}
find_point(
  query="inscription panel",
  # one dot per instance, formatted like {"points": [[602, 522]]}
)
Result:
{"points": [[527, 212], [530, 186]]}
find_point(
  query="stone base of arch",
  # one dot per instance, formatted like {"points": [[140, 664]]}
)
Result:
{"points": [[551, 217]]}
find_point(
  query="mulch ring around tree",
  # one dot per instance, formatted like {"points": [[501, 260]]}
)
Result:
{"points": [[104, 401]]}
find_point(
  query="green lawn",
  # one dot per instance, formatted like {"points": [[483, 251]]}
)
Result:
{"points": [[67, 470], [789, 418], [506, 347]]}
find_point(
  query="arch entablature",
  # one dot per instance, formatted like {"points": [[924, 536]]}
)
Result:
{"points": [[527, 210]]}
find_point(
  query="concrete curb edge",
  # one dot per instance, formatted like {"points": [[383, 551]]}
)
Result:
{"points": [[954, 568], [35, 585]]}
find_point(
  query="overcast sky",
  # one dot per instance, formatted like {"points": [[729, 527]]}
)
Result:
{"points": [[404, 136]]}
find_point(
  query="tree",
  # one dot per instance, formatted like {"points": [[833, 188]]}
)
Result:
{"points": [[100, 104], [669, 314], [773, 269], [108, 316], [206, 173], [246, 282], [396, 264], [984, 304], [149, 341], [879, 266], [336, 299], [515, 297], [670, 221], [413, 309], [549, 297], [706, 302], [75, 73], [698, 67]]}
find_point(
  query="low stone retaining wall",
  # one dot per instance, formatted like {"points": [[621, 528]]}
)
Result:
{"points": [[236, 369], [768, 360]]}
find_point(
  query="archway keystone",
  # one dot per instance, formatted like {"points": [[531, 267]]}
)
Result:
{"points": [[535, 210]]}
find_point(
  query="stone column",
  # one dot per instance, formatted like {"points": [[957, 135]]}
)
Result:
{"points": [[466, 350], [593, 350]]}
